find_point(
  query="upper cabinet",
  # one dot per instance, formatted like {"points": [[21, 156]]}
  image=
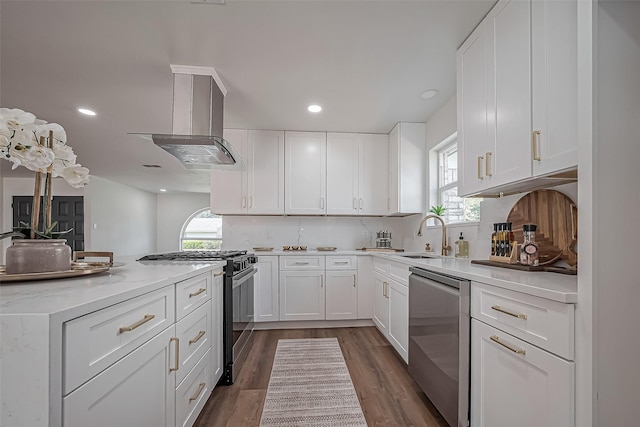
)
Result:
{"points": [[305, 173], [357, 174], [258, 190], [517, 99], [407, 179]]}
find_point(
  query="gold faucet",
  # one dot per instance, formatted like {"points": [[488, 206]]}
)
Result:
{"points": [[445, 247]]}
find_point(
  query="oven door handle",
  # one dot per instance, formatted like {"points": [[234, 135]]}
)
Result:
{"points": [[243, 277]]}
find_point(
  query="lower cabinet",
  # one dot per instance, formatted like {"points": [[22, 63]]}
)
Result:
{"points": [[391, 303], [398, 330], [267, 304], [302, 295], [514, 383], [341, 295], [163, 381], [138, 390]]}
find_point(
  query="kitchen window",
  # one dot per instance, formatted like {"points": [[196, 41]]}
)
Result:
{"points": [[457, 209], [202, 231]]}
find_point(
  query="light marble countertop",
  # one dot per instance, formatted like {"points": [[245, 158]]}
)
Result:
{"points": [[553, 286], [72, 297]]}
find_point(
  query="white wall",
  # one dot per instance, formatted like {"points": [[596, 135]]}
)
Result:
{"points": [[616, 202], [173, 211], [24, 187], [122, 219]]}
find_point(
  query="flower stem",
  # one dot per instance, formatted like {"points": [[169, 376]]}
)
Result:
{"points": [[47, 189]]}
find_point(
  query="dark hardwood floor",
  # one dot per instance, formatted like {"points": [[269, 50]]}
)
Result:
{"points": [[388, 395]]}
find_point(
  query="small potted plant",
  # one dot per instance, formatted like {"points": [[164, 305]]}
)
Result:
{"points": [[438, 210]]}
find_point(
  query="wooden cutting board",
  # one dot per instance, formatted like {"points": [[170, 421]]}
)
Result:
{"points": [[557, 218]]}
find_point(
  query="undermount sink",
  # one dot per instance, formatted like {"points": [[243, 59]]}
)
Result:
{"points": [[418, 256]]}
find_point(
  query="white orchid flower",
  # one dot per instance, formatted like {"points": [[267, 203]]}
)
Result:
{"points": [[64, 157], [38, 158], [15, 117], [58, 132], [76, 176], [17, 155]]}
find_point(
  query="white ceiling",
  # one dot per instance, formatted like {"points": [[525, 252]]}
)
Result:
{"points": [[365, 62]]}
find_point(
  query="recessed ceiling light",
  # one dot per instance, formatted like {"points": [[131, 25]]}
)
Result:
{"points": [[86, 112], [429, 93], [163, 190], [314, 108]]}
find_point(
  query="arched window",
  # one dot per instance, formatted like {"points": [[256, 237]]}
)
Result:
{"points": [[202, 231]]}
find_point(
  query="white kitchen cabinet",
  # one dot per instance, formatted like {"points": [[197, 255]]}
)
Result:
{"points": [[193, 392], [302, 295], [305, 173], [259, 189], [137, 390], [398, 330], [193, 332], [407, 169], [555, 90], [341, 294], [266, 290], [217, 318], [365, 287], [514, 383], [381, 303], [357, 174], [518, 64]]}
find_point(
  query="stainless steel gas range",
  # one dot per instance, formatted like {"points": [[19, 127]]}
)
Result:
{"points": [[239, 274]]}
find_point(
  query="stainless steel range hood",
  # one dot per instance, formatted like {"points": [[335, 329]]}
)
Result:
{"points": [[198, 110]]}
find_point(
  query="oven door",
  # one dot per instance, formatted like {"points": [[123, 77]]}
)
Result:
{"points": [[242, 324]]}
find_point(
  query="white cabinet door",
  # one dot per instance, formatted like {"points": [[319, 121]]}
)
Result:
{"points": [[398, 296], [555, 89], [373, 193], [229, 188], [407, 166], [342, 295], [473, 118], [365, 287], [380, 303], [266, 290], [509, 33], [265, 173], [193, 392], [305, 172], [302, 295], [514, 383], [138, 390], [342, 174], [217, 351]]}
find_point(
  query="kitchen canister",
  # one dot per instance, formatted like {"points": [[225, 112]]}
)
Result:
{"points": [[38, 256]]}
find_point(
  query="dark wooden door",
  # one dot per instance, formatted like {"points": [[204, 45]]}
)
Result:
{"points": [[68, 211]]}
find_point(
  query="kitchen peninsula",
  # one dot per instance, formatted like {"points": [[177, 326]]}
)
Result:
{"points": [[66, 342]]}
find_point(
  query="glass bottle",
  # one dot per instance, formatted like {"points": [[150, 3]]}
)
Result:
{"points": [[462, 247], [529, 250], [509, 239], [501, 227], [494, 239]]}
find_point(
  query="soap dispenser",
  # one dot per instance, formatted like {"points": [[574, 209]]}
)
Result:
{"points": [[462, 247]]}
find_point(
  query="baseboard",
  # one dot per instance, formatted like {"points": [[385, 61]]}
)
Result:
{"points": [[311, 324]]}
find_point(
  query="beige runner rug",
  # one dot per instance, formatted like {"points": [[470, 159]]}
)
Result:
{"points": [[310, 386]]}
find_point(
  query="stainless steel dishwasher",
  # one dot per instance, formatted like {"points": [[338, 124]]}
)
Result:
{"points": [[439, 341]]}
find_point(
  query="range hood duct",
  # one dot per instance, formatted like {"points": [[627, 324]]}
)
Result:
{"points": [[198, 111]]}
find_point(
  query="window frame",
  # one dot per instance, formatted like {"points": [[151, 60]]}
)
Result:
{"points": [[182, 238]]}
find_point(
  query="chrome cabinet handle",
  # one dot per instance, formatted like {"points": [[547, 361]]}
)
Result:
{"points": [[534, 140], [361, 203], [197, 337], [480, 159], [244, 201], [198, 292], [354, 280], [321, 202], [197, 394], [510, 313], [388, 202], [177, 364], [250, 202], [385, 291], [487, 165], [145, 319], [495, 339], [302, 262], [322, 280], [341, 262]]}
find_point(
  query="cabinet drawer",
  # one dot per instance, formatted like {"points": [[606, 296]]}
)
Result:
{"points": [[341, 262], [194, 333], [399, 272], [193, 392], [301, 263], [539, 321], [192, 293], [97, 340], [381, 266]]}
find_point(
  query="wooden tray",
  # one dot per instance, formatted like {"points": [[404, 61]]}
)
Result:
{"points": [[74, 272], [521, 267], [556, 216], [380, 249]]}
